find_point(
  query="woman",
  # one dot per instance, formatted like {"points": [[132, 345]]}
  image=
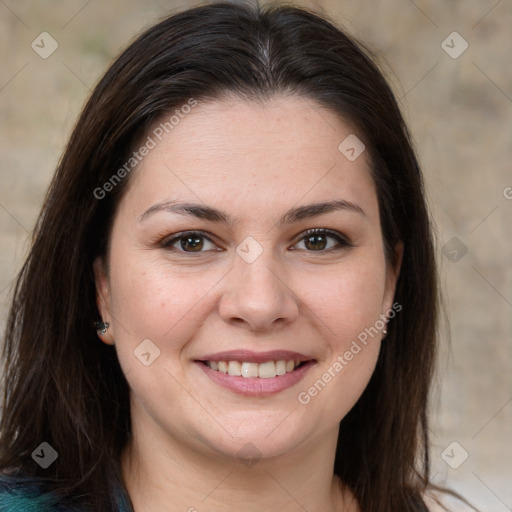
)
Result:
{"points": [[231, 297]]}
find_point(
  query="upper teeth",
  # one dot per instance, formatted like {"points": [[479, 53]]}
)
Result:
{"points": [[265, 370]]}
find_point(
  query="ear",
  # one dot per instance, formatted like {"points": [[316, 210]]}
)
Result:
{"points": [[392, 274], [103, 299]]}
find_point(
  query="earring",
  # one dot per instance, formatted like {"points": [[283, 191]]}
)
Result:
{"points": [[101, 327], [384, 332]]}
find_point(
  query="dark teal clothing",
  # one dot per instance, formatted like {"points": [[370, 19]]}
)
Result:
{"points": [[23, 495]]}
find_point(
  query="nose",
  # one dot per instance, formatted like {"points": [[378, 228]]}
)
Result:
{"points": [[257, 297]]}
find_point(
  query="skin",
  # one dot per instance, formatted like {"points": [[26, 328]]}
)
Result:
{"points": [[255, 161]]}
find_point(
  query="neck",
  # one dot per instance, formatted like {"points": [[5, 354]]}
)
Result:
{"points": [[163, 472]]}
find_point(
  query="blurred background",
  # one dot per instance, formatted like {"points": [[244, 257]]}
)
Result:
{"points": [[450, 66]]}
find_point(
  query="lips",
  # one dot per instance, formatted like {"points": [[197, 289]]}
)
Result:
{"points": [[256, 373]]}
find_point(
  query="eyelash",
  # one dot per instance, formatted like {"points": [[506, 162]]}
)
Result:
{"points": [[342, 241]]}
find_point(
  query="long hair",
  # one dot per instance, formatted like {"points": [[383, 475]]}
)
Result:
{"points": [[64, 387]]}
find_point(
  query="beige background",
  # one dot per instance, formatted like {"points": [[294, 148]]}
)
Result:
{"points": [[460, 114]]}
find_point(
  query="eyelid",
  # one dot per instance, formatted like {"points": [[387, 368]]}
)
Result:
{"points": [[167, 242], [342, 239]]}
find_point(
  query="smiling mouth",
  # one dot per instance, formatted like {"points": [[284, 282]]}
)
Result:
{"points": [[266, 370]]}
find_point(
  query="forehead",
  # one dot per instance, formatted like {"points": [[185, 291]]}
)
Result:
{"points": [[250, 154]]}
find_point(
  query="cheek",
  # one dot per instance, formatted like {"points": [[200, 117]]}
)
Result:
{"points": [[347, 300], [151, 302], [347, 307], [348, 375], [158, 312]]}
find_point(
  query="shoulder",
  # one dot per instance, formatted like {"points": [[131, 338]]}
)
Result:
{"points": [[25, 494], [22, 495]]}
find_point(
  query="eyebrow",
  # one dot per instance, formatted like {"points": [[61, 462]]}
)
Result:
{"points": [[299, 213]]}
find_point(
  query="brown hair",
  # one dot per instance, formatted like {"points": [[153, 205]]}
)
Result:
{"points": [[65, 387]]}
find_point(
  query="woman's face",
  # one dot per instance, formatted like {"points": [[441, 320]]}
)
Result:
{"points": [[249, 180]]}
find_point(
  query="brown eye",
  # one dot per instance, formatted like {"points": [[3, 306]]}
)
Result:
{"points": [[322, 240], [315, 242], [191, 243]]}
